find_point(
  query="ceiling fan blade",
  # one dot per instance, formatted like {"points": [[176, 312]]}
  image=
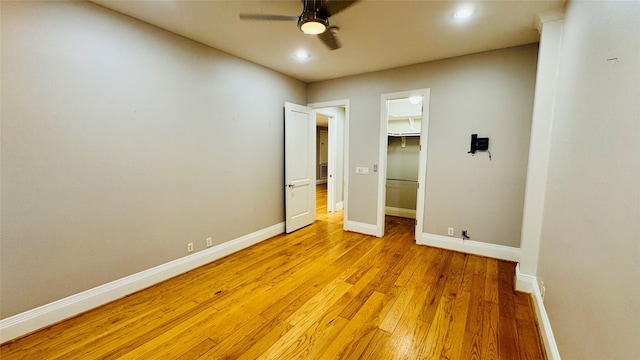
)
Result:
{"points": [[330, 39], [332, 7], [268, 17]]}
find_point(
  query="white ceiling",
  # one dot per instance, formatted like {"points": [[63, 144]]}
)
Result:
{"points": [[375, 34]]}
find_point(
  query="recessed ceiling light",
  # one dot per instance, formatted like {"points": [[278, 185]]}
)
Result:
{"points": [[301, 55], [463, 13]]}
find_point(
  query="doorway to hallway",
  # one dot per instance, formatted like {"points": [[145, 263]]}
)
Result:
{"points": [[332, 119]]}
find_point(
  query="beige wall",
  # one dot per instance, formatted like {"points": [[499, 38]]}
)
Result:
{"points": [[121, 143], [490, 94], [590, 253]]}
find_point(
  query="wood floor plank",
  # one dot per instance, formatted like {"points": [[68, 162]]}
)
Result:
{"points": [[506, 292], [98, 346], [491, 281], [351, 342], [524, 306], [507, 328], [317, 338], [335, 289], [390, 321], [139, 345], [369, 352], [234, 339], [437, 279], [471, 346], [318, 293], [171, 344], [490, 320], [508, 338], [398, 296], [406, 340], [306, 319], [197, 351], [452, 346], [476, 305], [259, 341], [529, 340]]}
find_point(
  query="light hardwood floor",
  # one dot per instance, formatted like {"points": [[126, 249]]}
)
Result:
{"points": [[319, 293]]}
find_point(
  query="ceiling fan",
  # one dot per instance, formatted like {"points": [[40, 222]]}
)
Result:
{"points": [[314, 19]]}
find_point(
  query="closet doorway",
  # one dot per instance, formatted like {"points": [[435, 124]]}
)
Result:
{"points": [[403, 140]]}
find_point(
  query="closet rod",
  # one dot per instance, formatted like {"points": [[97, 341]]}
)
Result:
{"points": [[415, 181]]}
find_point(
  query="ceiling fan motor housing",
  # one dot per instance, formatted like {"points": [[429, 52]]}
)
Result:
{"points": [[313, 20]]}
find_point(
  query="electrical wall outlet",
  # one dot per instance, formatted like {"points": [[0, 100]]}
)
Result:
{"points": [[450, 232], [190, 247], [209, 242]]}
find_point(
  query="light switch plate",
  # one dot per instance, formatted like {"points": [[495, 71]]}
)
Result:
{"points": [[362, 170]]}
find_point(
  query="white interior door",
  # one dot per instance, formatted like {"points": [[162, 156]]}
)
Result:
{"points": [[299, 166]]}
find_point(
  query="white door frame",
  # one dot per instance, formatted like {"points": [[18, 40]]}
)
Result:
{"points": [[422, 160], [344, 103]]}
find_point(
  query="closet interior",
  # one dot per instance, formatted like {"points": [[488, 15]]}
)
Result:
{"points": [[403, 151]]}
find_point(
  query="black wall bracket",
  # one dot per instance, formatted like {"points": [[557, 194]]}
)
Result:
{"points": [[478, 144]]}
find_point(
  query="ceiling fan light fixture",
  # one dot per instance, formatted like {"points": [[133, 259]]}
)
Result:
{"points": [[312, 24]]}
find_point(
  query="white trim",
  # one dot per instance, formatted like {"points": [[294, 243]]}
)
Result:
{"points": [[524, 282], [31, 320], [470, 247], [400, 212], [540, 143], [362, 228], [527, 282], [339, 206], [546, 16], [422, 162], [383, 148], [321, 181]]}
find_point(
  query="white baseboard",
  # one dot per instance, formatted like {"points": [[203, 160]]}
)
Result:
{"points": [[400, 212], [321, 181], [362, 228], [31, 320], [339, 206], [529, 284], [524, 282], [470, 247]]}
